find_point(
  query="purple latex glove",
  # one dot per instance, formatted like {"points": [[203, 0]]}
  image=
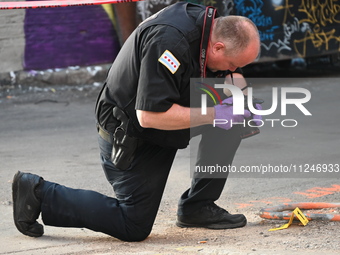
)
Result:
{"points": [[257, 119], [224, 114]]}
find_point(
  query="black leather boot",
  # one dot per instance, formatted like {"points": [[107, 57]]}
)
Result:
{"points": [[213, 217], [26, 205]]}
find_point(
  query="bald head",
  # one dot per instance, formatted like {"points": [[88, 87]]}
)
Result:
{"points": [[234, 43], [237, 33]]}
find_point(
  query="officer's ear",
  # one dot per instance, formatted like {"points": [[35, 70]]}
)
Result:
{"points": [[218, 48]]}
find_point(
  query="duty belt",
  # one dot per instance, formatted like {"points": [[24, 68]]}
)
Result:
{"points": [[105, 134]]}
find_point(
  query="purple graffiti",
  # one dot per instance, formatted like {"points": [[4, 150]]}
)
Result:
{"points": [[68, 36]]}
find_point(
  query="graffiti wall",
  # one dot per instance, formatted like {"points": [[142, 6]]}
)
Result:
{"points": [[149, 7], [288, 28], [39, 39], [61, 37], [48, 38], [291, 28]]}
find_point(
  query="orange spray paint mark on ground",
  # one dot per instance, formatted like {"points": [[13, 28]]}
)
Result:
{"points": [[320, 191], [243, 205], [263, 201], [310, 193], [281, 199]]}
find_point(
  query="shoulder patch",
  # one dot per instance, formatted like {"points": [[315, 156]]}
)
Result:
{"points": [[169, 61]]}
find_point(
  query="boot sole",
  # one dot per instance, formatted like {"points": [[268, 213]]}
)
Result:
{"points": [[212, 225]]}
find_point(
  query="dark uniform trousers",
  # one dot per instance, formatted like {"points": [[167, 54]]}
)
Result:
{"points": [[130, 216]]}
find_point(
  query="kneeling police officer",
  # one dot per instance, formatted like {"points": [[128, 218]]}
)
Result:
{"points": [[144, 116]]}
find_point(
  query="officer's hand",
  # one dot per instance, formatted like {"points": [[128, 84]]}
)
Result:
{"points": [[224, 117]]}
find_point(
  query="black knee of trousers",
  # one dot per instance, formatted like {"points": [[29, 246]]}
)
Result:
{"points": [[136, 234]]}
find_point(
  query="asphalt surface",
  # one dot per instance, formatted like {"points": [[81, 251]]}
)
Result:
{"points": [[51, 132]]}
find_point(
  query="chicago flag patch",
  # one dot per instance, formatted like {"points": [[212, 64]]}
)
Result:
{"points": [[169, 61]]}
